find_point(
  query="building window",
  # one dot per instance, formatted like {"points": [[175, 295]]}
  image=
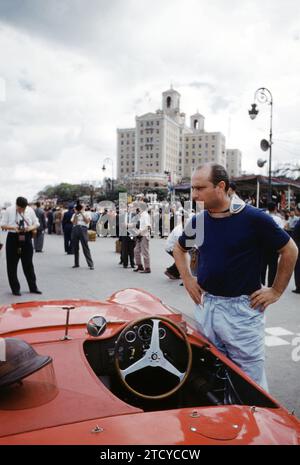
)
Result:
{"points": [[169, 101]]}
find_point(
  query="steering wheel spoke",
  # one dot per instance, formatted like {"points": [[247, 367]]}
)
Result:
{"points": [[166, 365], [136, 366], [154, 345]]}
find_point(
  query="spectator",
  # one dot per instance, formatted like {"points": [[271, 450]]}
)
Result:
{"points": [[141, 249], [270, 257], [67, 227], [20, 220], [81, 221], [38, 238]]}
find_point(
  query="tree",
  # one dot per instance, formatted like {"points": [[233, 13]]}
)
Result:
{"points": [[65, 192], [288, 170]]}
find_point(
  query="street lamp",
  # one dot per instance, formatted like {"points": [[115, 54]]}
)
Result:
{"points": [[263, 95], [109, 160]]}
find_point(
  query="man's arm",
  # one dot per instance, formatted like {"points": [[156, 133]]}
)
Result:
{"points": [[6, 227], [183, 265], [35, 222], [4, 223], [266, 296]]}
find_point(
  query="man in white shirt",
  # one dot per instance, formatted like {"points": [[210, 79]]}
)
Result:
{"points": [[20, 220], [81, 221], [141, 249]]}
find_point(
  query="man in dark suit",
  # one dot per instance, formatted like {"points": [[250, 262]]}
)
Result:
{"points": [[39, 235]]}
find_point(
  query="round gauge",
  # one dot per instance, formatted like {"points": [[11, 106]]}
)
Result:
{"points": [[130, 336], [162, 333], [145, 332]]}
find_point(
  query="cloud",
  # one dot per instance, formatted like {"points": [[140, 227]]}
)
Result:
{"points": [[26, 85], [72, 71]]}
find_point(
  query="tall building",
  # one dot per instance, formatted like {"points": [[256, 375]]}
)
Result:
{"points": [[162, 146], [234, 162]]}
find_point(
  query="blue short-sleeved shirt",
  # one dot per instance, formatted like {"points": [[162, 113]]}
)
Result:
{"points": [[230, 255]]}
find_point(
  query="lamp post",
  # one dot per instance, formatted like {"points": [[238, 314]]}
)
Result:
{"points": [[105, 161], [263, 95]]}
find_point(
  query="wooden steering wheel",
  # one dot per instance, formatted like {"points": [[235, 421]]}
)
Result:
{"points": [[152, 355]]}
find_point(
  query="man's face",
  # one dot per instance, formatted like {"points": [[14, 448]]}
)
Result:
{"points": [[20, 209], [203, 189]]}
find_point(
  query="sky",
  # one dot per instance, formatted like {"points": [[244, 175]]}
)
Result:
{"points": [[73, 71]]}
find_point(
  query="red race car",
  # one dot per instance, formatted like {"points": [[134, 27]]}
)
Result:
{"points": [[129, 370]]}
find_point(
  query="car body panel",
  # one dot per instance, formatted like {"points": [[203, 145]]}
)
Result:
{"points": [[85, 411]]}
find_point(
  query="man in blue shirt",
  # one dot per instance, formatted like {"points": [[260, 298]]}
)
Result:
{"points": [[230, 301]]}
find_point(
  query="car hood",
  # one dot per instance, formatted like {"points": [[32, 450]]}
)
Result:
{"points": [[233, 424]]}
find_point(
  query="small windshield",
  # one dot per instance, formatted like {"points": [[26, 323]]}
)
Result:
{"points": [[33, 391]]}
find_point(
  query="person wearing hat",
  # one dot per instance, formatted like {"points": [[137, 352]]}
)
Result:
{"points": [[20, 220]]}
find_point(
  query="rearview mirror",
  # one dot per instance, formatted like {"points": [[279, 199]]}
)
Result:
{"points": [[96, 325]]}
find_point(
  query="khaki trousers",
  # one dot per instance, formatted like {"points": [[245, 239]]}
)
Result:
{"points": [[141, 249]]}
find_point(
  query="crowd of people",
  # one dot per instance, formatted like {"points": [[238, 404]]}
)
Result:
{"points": [[132, 226]]}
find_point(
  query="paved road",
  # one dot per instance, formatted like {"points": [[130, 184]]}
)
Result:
{"points": [[58, 280]]}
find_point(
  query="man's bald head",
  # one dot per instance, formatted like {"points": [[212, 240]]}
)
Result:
{"points": [[215, 173]]}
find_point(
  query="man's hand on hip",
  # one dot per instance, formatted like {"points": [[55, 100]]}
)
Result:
{"points": [[264, 297], [193, 288]]}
